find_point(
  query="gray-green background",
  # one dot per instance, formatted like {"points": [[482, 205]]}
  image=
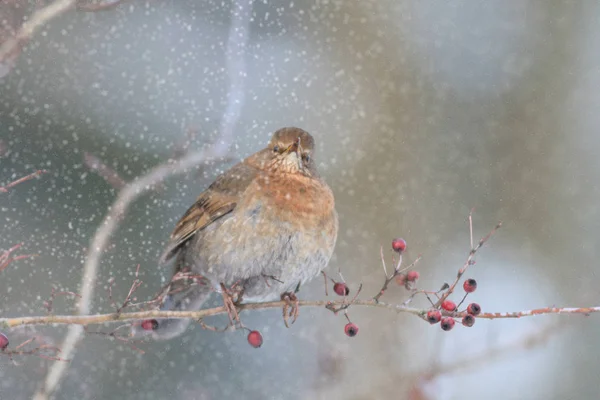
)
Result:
{"points": [[421, 111]]}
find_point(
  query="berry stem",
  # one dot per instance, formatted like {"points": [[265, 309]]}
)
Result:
{"points": [[397, 272], [469, 261]]}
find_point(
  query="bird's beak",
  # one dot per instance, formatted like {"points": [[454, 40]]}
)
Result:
{"points": [[293, 147]]}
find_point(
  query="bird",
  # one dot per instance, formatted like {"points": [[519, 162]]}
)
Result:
{"points": [[266, 226]]}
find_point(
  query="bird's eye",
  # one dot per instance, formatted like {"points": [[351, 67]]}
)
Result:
{"points": [[276, 149], [306, 157]]}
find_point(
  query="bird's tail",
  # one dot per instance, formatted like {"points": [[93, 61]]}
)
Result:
{"points": [[183, 293]]}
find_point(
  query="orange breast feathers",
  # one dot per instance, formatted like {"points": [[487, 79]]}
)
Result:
{"points": [[297, 194]]}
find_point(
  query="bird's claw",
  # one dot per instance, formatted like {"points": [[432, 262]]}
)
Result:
{"points": [[230, 306], [290, 308]]}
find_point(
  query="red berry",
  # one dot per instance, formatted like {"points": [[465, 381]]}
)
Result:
{"points": [[434, 316], [474, 309], [470, 285], [401, 279], [255, 339], [448, 305], [399, 245], [468, 320], [447, 323], [412, 276], [3, 341], [351, 329], [341, 289], [149, 324]]}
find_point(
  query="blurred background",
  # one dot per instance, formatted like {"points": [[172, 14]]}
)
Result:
{"points": [[421, 111]]}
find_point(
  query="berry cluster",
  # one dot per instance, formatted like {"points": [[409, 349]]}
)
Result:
{"points": [[433, 316], [447, 322]]}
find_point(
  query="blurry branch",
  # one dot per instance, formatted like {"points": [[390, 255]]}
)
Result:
{"points": [[11, 48], [527, 342], [128, 194], [102, 6], [44, 351], [237, 42], [39, 18], [6, 257], [236, 67], [85, 320], [475, 361], [4, 189], [110, 175]]}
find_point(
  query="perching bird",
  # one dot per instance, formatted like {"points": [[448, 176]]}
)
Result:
{"points": [[266, 226]]}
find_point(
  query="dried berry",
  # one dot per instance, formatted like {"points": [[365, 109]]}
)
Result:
{"points": [[341, 289], [255, 339], [468, 320], [3, 341], [350, 329], [412, 276], [399, 245], [149, 324], [448, 305], [401, 279], [434, 316], [470, 285], [474, 309], [447, 323]]}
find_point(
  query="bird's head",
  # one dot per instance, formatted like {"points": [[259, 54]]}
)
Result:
{"points": [[290, 151]]}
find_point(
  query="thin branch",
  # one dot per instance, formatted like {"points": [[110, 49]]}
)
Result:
{"points": [[134, 286], [335, 307], [6, 259], [39, 351], [397, 271], [4, 189], [470, 261], [114, 334], [85, 320], [49, 304]]}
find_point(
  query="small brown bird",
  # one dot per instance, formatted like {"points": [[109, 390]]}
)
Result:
{"points": [[266, 226]]}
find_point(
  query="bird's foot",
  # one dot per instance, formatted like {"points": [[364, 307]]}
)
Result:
{"points": [[230, 304], [291, 307]]}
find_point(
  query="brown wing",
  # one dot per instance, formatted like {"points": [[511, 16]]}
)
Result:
{"points": [[215, 202]]}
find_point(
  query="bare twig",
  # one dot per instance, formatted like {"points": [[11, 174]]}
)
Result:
{"points": [[207, 327], [335, 307], [134, 286], [397, 271], [6, 259], [470, 261], [40, 351], [114, 335], [49, 304], [4, 189]]}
